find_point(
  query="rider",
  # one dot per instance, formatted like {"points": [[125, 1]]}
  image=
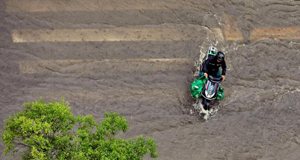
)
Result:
{"points": [[212, 64], [211, 52]]}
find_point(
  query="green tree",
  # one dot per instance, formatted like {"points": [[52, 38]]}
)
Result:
{"points": [[50, 131]]}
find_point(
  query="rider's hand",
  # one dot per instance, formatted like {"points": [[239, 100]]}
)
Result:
{"points": [[206, 75], [223, 76]]}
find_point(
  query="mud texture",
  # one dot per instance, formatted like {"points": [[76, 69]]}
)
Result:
{"points": [[258, 118]]}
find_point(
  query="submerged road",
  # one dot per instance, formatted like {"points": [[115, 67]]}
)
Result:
{"points": [[138, 57]]}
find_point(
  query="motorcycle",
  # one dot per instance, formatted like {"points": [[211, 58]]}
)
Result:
{"points": [[210, 90]]}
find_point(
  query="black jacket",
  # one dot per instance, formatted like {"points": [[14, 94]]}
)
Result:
{"points": [[211, 66]]}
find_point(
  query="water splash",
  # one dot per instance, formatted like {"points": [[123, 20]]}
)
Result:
{"points": [[206, 114]]}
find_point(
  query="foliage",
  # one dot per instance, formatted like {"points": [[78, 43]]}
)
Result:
{"points": [[50, 131]]}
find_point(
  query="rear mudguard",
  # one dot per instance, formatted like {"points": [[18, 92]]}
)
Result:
{"points": [[206, 104]]}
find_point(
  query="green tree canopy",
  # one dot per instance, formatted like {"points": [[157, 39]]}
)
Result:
{"points": [[50, 131]]}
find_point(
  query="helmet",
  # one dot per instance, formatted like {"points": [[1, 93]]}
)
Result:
{"points": [[220, 56], [212, 50]]}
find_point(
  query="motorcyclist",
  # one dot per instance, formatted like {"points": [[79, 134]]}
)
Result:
{"points": [[211, 52], [212, 64]]}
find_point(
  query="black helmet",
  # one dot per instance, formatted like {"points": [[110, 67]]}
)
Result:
{"points": [[220, 56]]}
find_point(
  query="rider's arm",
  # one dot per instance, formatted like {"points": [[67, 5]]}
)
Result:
{"points": [[224, 67], [205, 66]]}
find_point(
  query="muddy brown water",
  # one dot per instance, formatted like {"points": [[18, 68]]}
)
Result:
{"points": [[147, 81]]}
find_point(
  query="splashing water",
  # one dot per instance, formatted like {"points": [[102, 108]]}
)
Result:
{"points": [[206, 114]]}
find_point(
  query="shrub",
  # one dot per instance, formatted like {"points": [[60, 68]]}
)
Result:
{"points": [[50, 131]]}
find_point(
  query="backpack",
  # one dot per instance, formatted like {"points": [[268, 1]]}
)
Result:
{"points": [[211, 52]]}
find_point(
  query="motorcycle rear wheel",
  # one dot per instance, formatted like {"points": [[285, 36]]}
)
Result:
{"points": [[206, 104]]}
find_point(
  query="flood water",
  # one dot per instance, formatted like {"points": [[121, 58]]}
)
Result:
{"points": [[138, 59]]}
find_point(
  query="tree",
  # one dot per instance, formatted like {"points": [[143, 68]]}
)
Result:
{"points": [[50, 131]]}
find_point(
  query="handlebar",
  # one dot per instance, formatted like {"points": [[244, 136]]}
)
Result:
{"points": [[215, 79]]}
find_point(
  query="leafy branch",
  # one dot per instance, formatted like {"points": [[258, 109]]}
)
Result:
{"points": [[46, 131]]}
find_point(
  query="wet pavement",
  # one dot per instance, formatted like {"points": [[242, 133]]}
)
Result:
{"points": [[138, 59]]}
